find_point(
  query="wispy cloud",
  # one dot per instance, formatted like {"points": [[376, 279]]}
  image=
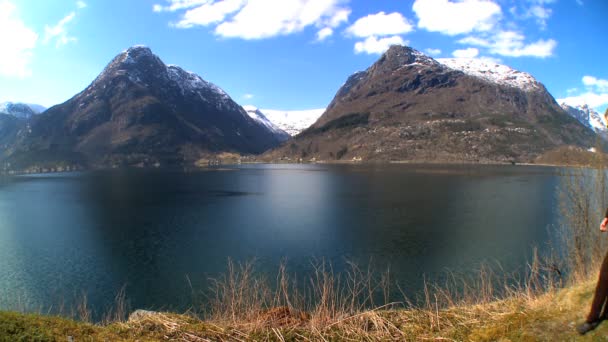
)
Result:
{"points": [[59, 32], [537, 10], [258, 19], [17, 42], [512, 44]]}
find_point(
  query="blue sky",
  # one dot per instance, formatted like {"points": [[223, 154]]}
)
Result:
{"points": [[295, 54]]}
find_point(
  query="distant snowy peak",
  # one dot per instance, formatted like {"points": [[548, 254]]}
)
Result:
{"points": [[587, 116], [293, 122], [493, 72], [258, 116], [21, 110]]}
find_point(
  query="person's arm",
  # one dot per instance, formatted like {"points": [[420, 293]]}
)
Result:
{"points": [[604, 225]]}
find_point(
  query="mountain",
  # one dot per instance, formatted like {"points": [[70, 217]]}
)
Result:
{"points": [[21, 110], [140, 111], [408, 106], [257, 115], [587, 116], [295, 121]]}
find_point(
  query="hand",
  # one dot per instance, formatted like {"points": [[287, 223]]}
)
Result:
{"points": [[604, 225]]}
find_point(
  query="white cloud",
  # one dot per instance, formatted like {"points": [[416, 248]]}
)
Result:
{"points": [[466, 53], [258, 19], [17, 41], [81, 4], [512, 44], [324, 33], [264, 18], [380, 24], [433, 52], [595, 95], [248, 96], [209, 13], [59, 32], [373, 45], [457, 17], [591, 99], [597, 84]]}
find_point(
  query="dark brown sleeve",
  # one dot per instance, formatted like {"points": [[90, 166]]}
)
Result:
{"points": [[606, 213]]}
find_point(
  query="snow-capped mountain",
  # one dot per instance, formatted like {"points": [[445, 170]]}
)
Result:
{"points": [[21, 110], [295, 121], [493, 72], [408, 106], [258, 116], [587, 116], [140, 111]]}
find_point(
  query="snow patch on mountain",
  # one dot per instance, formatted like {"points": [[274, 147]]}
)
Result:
{"points": [[295, 121], [189, 81], [258, 116], [493, 72]]}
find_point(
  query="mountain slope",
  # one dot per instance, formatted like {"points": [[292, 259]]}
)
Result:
{"points": [[140, 111], [408, 106], [10, 128]]}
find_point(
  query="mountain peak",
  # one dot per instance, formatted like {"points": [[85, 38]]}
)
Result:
{"points": [[138, 47], [398, 56], [137, 54]]}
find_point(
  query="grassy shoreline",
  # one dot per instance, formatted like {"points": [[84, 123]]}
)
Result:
{"points": [[548, 317]]}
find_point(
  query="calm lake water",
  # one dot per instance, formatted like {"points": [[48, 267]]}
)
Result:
{"points": [[65, 234]]}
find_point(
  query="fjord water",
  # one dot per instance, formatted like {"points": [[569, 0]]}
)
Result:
{"points": [[162, 234]]}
